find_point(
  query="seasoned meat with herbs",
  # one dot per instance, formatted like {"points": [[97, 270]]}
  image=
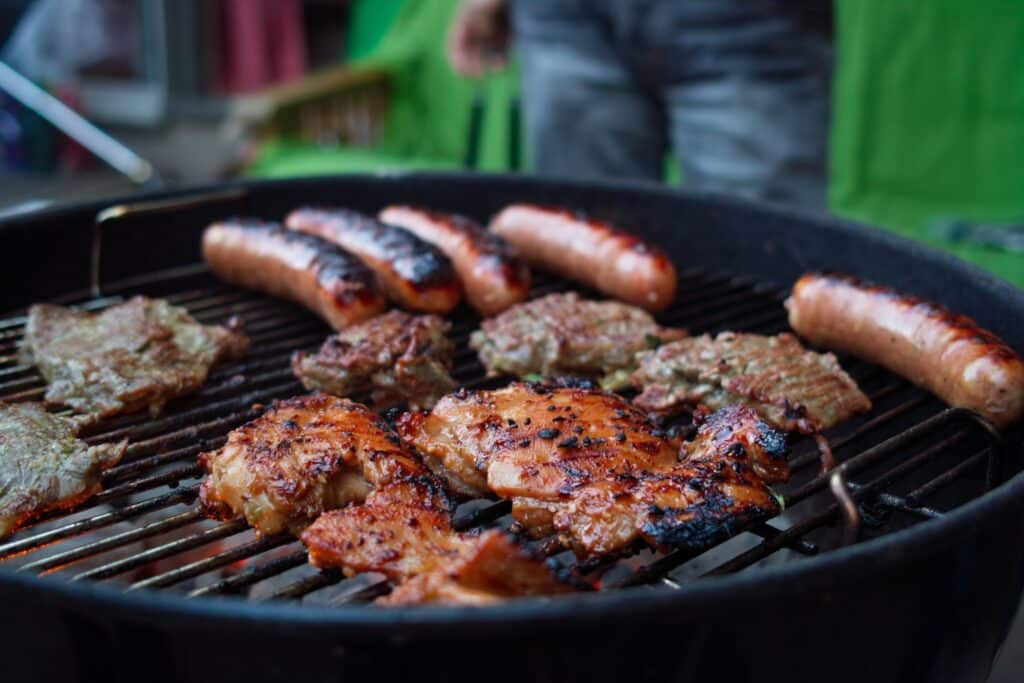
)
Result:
{"points": [[135, 355], [396, 358], [562, 334], [404, 531], [43, 465], [303, 456], [587, 465], [792, 388]]}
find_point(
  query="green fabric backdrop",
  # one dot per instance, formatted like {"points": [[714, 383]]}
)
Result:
{"points": [[928, 111]]}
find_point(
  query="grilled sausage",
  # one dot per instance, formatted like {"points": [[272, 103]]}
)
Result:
{"points": [[323, 277], [415, 274], [590, 251], [495, 277], [946, 353]]}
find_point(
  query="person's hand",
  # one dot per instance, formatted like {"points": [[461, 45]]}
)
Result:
{"points": [[479, 37]]}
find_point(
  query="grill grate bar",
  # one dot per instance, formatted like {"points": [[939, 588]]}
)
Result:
{"points": [[861, 491], [252, 575], [947, 477], [322, 579], [39, 540], [166, 550], [193, 569], [63, 559]]}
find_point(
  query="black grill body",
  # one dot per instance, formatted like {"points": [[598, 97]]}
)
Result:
{"points": [[920, 597]]}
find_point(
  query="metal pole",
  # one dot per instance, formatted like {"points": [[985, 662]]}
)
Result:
{"points": [[75, 126]]}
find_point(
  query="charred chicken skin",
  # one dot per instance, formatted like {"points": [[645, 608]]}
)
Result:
{"points": [[404, 531], [586, 465], [303, 456]]}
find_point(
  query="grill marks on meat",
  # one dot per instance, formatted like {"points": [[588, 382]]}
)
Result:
{"points": [[404, 531], [304, 455], [321, 276], [43, 465], [135, 355], [493, 273], [415, 273], [719, 488], [587, 465], [792, 388], [562, 334], [395, 357]]}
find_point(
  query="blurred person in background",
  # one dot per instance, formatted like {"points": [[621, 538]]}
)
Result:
{"points": [[738, 89]]}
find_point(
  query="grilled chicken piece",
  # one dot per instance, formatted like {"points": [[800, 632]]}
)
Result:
{"points": [[587, 465], [395, 357], [404, 531], [301, 457], [43, 466], [562, 334], [534, 437], [134, 355], [792, 388]]}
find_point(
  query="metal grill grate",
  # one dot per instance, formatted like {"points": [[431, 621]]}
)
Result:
{"points": [[909, 460]]}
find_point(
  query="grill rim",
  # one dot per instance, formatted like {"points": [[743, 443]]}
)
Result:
{"points": [[828, 570]]}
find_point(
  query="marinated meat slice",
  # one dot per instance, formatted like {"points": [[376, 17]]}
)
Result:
{"points": [[534, 437], [562, 334], [135, 355], [303, 456], [792, 388], [492, 568], [585, 464], [719, 488], [404, 531], [395, 357], [43, 466]]}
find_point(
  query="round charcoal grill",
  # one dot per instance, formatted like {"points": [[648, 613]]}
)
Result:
{"points": [[916, 581]]}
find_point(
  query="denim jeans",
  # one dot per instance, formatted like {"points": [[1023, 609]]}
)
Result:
{"points": [[738, 89]]}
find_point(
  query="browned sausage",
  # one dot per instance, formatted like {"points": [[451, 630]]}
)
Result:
{"points": [[946, 353], [323, 277], [492, 272], [595, 253], [414, 273]]}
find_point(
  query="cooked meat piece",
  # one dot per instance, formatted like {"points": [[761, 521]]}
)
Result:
{"points": [[135, 355], [491, 568], [43, 466], [534, 438], [719, 488], [585, 464], [404, 531], [304, 455], [792, 388], [395, 357], [562, 334]]}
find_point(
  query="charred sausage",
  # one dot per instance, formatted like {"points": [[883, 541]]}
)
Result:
{"points": [[593, 252], [323, 277], [415, 274], [946, 353], [493, 274]]}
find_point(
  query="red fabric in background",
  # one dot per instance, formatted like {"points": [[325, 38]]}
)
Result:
{"points": [[262, 44]]}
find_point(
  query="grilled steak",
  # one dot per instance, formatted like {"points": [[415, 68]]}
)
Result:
{"points": [[43, 466], [586, 464], [792, 388], [304, 455], [395, 357], [135, 355], [561, 334]]}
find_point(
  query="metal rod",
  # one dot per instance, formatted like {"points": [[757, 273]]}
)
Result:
{"points": [[70, 122]]}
